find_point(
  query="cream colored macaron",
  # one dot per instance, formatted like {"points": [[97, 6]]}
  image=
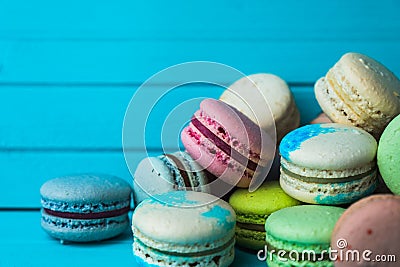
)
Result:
{"points": [[266, 100], [359, 91]]}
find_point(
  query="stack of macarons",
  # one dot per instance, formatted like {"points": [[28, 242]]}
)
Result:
{"points": [[336, 160], [230, 145], [322, 165], [233, 139]]}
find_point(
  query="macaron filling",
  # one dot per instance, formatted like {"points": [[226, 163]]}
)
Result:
{"points": [[87, 216], [251, 226], [223, 146], [322, 180], [182, 172]]}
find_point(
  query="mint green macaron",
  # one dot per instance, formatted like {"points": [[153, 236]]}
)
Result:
{"points": [[295, 230], [389, 157], [253, 208]]}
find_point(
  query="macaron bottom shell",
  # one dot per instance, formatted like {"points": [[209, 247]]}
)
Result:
{"points": [[75, 230], [328, 193], [250, 239], [293, 254], [149, 257]]}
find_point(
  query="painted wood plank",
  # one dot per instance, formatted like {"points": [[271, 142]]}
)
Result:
{"points": [[76, 118], [23, 173], [126, 62], [154, 19], [22, 230]]}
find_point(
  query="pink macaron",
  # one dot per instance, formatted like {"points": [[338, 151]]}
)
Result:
{"points": [[228, 144], [368, 233]]}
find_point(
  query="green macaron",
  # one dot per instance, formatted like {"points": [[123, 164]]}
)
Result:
{"points": [[389, 157], [292, 231], [253, 208]]}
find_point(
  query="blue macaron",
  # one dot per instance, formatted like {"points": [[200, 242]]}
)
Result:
{"points": [[85, 208], [184, 228]]}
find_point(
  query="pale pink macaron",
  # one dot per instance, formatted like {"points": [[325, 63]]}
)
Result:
{"points": [[368, 233], [228, 144]]}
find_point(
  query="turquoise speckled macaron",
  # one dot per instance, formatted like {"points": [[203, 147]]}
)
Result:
{"points": [[328, 164], [84, 208], [298, 229], [184, 228], [253, 208]]}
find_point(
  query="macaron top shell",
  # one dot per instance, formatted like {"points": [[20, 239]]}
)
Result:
{"points": [[304, 224], [266, 100], [267, 199], [235, 124], [267, 84], [86, 188], [329, 146], [378, 89], [182, 218]]}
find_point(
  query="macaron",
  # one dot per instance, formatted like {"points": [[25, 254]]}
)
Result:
{"points": [[368, 233], [261, 95], [328, 164], [253, 208], [168, 172], [228, 144], [359, 91], [301, 235], [84, 208], [184, 228], [321, 118], [389, 156]]}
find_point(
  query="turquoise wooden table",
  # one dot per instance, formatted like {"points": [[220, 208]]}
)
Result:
{"points": [[68, 70]]}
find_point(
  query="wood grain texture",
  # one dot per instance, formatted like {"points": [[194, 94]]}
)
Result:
{"points": [[23, 173], [127, 42], [289, 20], [68, 70], [68, 62], [92, 117]]}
